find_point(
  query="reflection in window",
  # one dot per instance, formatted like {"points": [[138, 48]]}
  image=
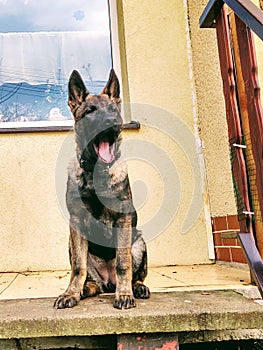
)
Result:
{"points": [[41, 42]]}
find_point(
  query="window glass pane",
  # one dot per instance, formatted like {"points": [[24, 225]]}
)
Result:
{"points": [[41, 42]]}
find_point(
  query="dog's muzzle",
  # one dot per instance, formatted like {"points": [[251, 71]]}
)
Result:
{"points": [[105, 143]]}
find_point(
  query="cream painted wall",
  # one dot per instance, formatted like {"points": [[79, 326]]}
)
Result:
{"points": [[211, 113], [160, 74], [33, 231], [172, 76]]}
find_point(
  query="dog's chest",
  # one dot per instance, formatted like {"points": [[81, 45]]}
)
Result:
{"points": [[100, 197], [104, 192], [104, 184]]}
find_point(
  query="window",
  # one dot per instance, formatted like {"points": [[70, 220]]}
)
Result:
{"points": [[41, 42]]}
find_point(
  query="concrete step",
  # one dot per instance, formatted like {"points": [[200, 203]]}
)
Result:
{"points": [[189, 304], [189, 316]]}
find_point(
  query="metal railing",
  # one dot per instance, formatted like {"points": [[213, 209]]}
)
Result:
{"points": [[249, 13], [234, 20]]}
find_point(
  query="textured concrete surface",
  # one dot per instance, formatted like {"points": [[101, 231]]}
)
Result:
{"points": [[163, 312], [29, 320], [195, 311]]}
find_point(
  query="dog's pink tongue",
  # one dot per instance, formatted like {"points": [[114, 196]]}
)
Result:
{"points": [[105, 152]]}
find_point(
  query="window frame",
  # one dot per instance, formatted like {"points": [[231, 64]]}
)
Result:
{"points": [[119, 64]]}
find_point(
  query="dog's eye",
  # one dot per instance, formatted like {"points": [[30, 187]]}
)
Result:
{"points": [[90, 110]]}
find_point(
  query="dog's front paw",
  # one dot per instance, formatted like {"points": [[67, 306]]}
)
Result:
{"points": [[124, 302], [66, 301]]}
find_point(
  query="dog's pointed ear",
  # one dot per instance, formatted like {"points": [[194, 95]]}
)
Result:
{"points": [[112, 88], [77, 90]]}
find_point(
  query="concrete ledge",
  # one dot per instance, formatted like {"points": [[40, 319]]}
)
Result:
{"points": [[207, 316]]}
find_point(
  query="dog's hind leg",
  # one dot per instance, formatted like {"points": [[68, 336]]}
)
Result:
{"points": [[91, 289], [140, 290], [78, 251]]}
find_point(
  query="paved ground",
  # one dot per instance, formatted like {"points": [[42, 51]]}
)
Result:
{"points": [[160, 279]]}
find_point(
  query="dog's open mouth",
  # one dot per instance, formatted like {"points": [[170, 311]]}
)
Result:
{"points": [[105, 146]]}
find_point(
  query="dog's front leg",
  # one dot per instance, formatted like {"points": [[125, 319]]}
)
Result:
{"points": [[124, 295], [78, 251]]}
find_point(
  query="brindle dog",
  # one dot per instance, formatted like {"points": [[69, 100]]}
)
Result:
{"points": [[107, 252]]}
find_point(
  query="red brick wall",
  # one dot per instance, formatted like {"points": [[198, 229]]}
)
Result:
{"points": [[226, 244]]}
